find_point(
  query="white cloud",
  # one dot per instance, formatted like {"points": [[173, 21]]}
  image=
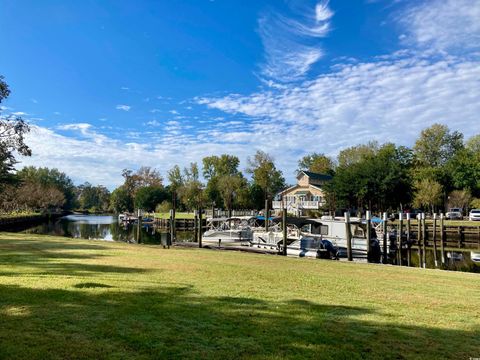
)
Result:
{"points": [[153, 123], [123, 107], [387, 100], [101, 161], [19, 113], [174, 112], [443, 25], [289, 52]]}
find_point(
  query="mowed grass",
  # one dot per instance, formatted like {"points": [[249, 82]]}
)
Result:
{"points": [[72, 299]]}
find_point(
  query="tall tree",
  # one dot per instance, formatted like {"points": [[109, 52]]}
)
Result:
{"points": [[265, 174], [53, 178], [378, 180], [231, 188], [191, 192], [176, 182], [436, 145], [317, 163], [12, 136], [355, 154], [428, 193], [215, 167]]}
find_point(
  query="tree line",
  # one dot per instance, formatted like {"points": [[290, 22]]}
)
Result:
{"points": [[441, 170]]}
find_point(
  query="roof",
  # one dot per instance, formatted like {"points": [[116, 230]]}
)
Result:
{"points": [[316, 176]]}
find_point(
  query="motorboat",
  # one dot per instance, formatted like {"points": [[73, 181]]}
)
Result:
{"points": [[334, 230], [234, 231]]}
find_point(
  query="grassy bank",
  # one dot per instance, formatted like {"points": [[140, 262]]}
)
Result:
{"points": [[16, 215], [65, 298]]}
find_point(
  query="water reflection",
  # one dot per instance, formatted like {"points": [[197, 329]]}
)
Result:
{"points": [[455, 259], [105, 227]]}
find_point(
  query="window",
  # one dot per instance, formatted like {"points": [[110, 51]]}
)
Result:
{"points": [[324, 230]]}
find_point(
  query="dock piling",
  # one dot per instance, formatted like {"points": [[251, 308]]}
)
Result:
{"points": [[349, 236], [368, 218], [284, 223], [385, 237], [399, 237], [409, 244], [435, 240]]}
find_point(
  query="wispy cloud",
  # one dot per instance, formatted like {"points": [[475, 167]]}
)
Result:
{"points": [[289, 51], [443, 25], [123, 107]]}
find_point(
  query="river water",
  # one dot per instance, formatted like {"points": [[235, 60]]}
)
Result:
{"points": [[108, 228], [102, 227]]}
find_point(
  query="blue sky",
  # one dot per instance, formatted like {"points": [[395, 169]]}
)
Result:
{"points": [[119, 84]]}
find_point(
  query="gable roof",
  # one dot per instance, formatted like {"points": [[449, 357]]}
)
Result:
{"points": [[316, 176]]}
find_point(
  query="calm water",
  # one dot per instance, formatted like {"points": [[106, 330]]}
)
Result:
{"points": [[103, 227], [107, 227]]}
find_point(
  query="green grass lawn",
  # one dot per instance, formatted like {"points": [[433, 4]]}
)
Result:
{"points": [[178, 215], [71, 299]]}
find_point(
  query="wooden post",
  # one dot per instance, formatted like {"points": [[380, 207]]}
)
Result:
{"points": [[419, 239], [368, 218], [385, 237], [478, 231], [139, 226], [200, 227], [409, 244], [442, 238], [435, 240], [461, 233], [195, 225], [424, 245], [266, 215], [284, 222], [399, 237], [348, 234], [172, 228]]}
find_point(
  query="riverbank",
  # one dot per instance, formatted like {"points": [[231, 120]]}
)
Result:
{"points": [[7, 220], [67, 298]]}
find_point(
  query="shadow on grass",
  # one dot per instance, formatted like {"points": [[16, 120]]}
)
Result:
{"points": [[177, 322], [55, 258]]}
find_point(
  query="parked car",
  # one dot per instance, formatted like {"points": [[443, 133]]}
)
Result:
{"points": [[454, 214], [474, 215]]}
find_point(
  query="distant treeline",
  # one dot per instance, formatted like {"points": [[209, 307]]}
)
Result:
{"points": [[441, 170]]}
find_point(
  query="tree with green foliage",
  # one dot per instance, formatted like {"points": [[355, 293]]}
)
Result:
{"points": [[12, 135], [317, 163], [265, 174], [377, 180], [436, 145], [148, 197], [231, 188], [176, 182], [93, 198], [428, 194], [50, 178], [192, 192], [355, 154], [121, 200], [215, 167]]}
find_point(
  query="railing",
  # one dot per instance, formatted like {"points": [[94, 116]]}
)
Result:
{"points": [[298, 204]]}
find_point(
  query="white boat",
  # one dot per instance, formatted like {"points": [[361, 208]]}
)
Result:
{"points": [[334, 230], [233, 231], [475, 256]]}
